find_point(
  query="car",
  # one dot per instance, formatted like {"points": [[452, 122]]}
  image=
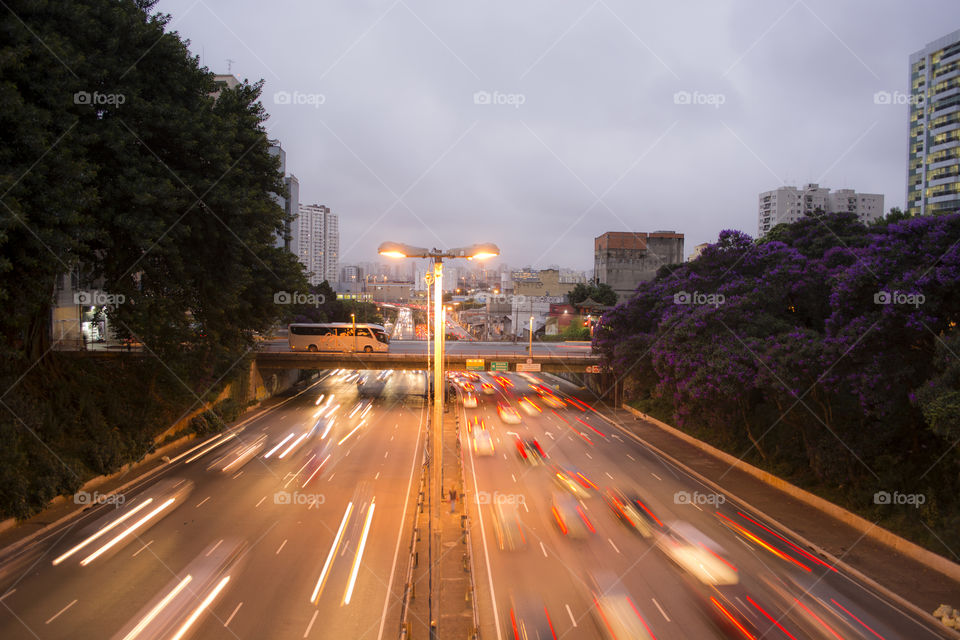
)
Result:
{"points": [[569, 484], [529, 406], [530, 451], [482, 442], [629, 512], [507, 413], [551, 400], [487, 389], [570, 516], [617, 615], [475, 423], [508, 527], [529, 620], [469, 401], [503, 381]]}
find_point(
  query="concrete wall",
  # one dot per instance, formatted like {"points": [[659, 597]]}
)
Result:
{"points": [[624, 260]]}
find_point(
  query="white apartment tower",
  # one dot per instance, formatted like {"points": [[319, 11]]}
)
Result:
{"points": [[933, 155], [789, 204], [318, 243]]}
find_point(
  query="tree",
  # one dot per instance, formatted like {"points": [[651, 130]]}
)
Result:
{"points": [[601, 292]]}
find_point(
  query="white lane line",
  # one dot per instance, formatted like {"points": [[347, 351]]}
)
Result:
{"points": [[377, 477], [238, 475], [310, 626], [570, 613], [662, 612], [631, 457], [551, 435], [282, 545], [214, 548], [261, 502], [589, 456], [514, 477], [696, 506], [331, 476], [54, 617], [656, 476], [613, 545], [396, 551], [227, 623], [137, 552], [386, 453], [608, 475], [202, 501], [544, 549], [391, 438], [8, 593]]}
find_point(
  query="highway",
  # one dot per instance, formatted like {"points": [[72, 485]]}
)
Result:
{"points": [[255, 534], [780, 590]]}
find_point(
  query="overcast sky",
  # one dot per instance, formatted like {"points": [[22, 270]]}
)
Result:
{"points": [[540, 125]]}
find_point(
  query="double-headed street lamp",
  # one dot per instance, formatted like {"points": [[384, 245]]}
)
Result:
{"points": [[473, 252]]}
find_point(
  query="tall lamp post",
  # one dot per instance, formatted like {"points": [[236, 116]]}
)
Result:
{"points": [[473, 252], [353, 318]]}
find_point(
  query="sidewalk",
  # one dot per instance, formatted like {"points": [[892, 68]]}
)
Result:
{"points": [[911, 580]]}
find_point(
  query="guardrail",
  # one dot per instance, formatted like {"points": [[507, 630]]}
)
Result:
{"points": [[408, 588], [465, 525]]}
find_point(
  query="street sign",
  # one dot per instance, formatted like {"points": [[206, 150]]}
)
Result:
{"points": [[528, 367], [593, 368], [499, 366], [474, 364]]}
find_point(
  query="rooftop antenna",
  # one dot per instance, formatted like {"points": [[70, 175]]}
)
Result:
{"points": [[230, 65]]}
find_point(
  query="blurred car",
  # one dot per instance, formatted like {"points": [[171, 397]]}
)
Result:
{"points": [[570, 516], [629, 512], [469, 401], [507, 413], [569, 483], [617, 615], [530, 451], [475, 423], [508, 527], [551, 400], [529, 406], [487, 389], [482, 442], [503, 381], [529, 620]]}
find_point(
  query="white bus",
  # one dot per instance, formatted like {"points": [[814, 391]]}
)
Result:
{"points": [[338, 336]]}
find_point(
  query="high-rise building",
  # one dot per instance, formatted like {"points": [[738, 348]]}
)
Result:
{"points": [[624, 259], [933, 155], [292, 209], [318, 243], [789, 204]]}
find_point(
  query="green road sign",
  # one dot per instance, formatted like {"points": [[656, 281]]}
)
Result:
{"points": [[499, 366]]}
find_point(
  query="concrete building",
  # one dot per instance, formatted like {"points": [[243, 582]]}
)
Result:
{"points": [[318, 243], [547, 282], [292, 209], [933, 154], [624, 259], [697, 250], [789, 204], [389, 291]]}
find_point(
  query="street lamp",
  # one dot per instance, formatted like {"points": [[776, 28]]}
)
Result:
{"points": [[530, 349], [472, 252], [353, 318]]}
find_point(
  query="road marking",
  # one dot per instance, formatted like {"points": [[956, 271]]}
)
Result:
{"points": [[207, 554], [613, 545], [570, 613], [261, 502], [377, 477], [656, 476], [589, 456], [238, 475], [524, 503], [310, 626], [631, 457], [133, 556], [282, 545], [11, 592], [543, 548], [514, 477], [695, 506], [331, 476], [662, 612], [233, 614], [386, 453], [391, 438], [59, 612], [608, 475], [551, 435], [204, 500]]}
